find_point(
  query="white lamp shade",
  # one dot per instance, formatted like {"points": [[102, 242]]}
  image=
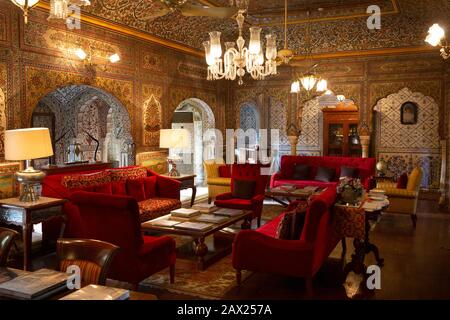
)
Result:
{"points": [[174, 138], [27, 144]]}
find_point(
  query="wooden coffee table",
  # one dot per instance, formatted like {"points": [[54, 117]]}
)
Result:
{"points": [[205, 256], [279, 195]]}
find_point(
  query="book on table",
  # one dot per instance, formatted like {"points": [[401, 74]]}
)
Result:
{"points": [[39, 284], [210, 218], [228, 212], [184, 213], [164, 222], [205, 207], [96, 292], [194, 226]]}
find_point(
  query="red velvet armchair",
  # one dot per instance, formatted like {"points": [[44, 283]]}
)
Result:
{"points": [[115, 219], [250, 172], [260, 251]]}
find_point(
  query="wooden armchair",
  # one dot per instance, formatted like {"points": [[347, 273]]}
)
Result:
{"points": [[93, 257], [7, 237]]}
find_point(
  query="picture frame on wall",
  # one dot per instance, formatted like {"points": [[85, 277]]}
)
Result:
{"points": [[409, 113]]}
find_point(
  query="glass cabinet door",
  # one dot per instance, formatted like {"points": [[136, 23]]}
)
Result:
{"points": [[336, 139], [354, 143]]}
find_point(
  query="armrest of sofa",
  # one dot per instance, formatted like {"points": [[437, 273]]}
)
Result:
{"points": [[276, 176], [167, 188], [252, 249], [401, 193], [224, 196]]}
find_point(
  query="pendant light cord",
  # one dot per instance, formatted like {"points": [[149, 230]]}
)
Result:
{"points": [[285, 24]]}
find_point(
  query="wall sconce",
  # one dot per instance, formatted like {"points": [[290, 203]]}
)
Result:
{"points": [[87, 56], [25, 5], [436, 37]]}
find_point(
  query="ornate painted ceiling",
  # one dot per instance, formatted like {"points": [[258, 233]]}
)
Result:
{"points": [[336, 25]]}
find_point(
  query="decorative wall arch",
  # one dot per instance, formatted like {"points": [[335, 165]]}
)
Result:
{"points": [[249, 116], [403, 147], [311, 138], [70, 103], [151, 122]]}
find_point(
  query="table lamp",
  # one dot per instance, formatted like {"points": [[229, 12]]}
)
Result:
{"points": [[28, 144], [176, 139]]}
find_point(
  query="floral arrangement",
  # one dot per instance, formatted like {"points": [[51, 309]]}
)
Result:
{"points": [[350, 190]]}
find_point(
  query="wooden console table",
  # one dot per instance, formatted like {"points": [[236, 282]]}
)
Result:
{"points": [[187, 182], [26, 214], [51, 170]]}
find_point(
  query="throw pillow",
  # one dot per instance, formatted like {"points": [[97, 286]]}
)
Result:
{"points": [[103, 188], [135, 189], [225, 171], [285, 226], [402, 181], [298, 220], [119, 187], [349, 172], [243, 189], [123, 174], [325, 174], [301, 172], [83, 180], [150, 187]]}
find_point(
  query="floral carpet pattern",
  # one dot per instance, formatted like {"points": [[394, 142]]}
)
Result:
{"points": [[212, 283]]}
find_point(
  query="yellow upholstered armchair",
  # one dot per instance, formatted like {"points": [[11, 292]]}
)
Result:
{"points": [[404, 200], [216, 184]]}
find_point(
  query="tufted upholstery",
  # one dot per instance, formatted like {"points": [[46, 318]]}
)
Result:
{"points": [[250, 172], [154, 208], [404, 200], [365, 166]]}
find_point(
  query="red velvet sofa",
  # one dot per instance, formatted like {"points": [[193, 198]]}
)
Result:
{"points": [[260, 251], [160, 196], [365, 166], [115, 219]]}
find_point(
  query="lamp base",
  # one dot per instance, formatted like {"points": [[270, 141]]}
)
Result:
{"points": [[29, 178]]}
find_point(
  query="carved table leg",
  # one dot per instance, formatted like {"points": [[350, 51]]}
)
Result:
{"points": [[370, 247], [247, 224], [357, 263], [27, 234], [201, 251], [194, 193]]}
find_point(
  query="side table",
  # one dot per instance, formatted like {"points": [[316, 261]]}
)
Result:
{"points": [[26, 214], [187, 182]]}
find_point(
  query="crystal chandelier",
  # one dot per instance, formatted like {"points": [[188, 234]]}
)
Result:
{"points": [[436, 37], [25, 5], [309, 80], [237, 61]]}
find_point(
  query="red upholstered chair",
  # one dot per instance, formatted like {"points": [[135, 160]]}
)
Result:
{"points": [[115, 219], [245, 172]]}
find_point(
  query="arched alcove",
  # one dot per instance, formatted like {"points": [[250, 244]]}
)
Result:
{"points": [[405, 146], [197, 119], [83, 114]]}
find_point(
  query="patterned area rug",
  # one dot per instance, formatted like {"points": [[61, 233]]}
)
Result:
{"points": [[212, 283]]}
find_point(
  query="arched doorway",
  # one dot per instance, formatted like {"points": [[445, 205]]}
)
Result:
{"points": [[90, 117], [197, 117]]}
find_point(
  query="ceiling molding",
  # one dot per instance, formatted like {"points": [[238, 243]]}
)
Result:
{"points": [[395, 10], [98, 22]]}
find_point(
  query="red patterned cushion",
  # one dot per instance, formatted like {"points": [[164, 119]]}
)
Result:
{"points": [[135, 189], [84, 180], [402, 181], [125, 174], [157, 207], [150, 187]]}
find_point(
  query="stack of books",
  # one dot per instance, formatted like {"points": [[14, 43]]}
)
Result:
{"points": [[96, 292], [36, 285], [205, 207], [228, 212], [377, 194], [164, 222], [184, 213]]}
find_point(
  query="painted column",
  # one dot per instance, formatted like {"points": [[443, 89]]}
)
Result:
{"points": [[293, 140], [365, 143]]}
